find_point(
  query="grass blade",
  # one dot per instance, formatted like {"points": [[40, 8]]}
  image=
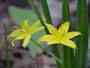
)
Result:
{"points": [[68, 52], [46, 11], [35, 9], [82, 41]]}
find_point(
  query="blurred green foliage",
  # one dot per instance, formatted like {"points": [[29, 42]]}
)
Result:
{"points": [[19, 14]]}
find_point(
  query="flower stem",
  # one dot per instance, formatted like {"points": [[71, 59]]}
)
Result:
{"points": [[57, 51]]}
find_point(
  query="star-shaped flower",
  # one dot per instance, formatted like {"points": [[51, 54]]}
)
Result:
{"points": [[24, 32], [60, 35]]}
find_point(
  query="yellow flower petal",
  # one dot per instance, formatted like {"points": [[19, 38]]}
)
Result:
{"points": [[36, 24], [26, 41], [71, 35], [36, 30], [50, 39], [15, 33], [68, 43], [13, 43], [20, 37], [24, 25], [46, 38], [53, 42], [64, 28], [36, 27], [13, 39], [51, 28]]}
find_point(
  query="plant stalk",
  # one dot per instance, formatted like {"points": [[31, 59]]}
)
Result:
{"points": [[82, 41], [68, 52]]}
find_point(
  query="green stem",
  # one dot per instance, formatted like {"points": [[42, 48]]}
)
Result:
{"points": [[82, 41], [66, 12], [35, 9], [68, 52], [46, 11], [57, 50]]}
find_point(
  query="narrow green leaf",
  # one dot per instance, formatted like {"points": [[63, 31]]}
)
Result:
{"points": [[45, 8], [68, 52], [57, 51], [35, 9], [82, 41], [66, 12]]}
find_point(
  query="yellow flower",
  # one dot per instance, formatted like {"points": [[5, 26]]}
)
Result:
{"points": [[60, 35], [24, 32]]}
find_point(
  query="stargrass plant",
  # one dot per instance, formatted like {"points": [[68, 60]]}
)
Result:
{"points": [[67, 51]]}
